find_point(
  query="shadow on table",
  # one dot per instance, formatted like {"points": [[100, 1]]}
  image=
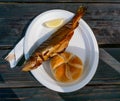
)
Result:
{"points": [[7, 94], [82, 94], [70, 96]]}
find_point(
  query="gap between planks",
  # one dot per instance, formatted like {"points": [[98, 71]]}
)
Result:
{"points": [[67, 2]]}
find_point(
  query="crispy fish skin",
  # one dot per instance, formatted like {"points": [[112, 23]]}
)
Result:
{"points": [[55, 44]]}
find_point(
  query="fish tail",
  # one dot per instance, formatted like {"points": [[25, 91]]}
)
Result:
{"points": [[79, 14]]}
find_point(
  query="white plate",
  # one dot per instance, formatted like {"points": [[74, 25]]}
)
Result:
{"points": [[83, 44]]}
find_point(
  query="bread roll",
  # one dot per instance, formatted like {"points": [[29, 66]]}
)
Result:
{"points": [[66, 67]]}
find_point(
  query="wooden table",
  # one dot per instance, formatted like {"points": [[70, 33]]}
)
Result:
{"points": [[103, 16]]}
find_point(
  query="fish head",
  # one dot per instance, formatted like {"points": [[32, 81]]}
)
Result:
{"points": [[32, 63]]}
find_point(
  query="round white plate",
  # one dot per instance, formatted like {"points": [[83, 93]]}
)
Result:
{"points": [[83, 44]]}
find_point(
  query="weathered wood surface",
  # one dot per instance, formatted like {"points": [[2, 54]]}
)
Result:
{"points": [[103, 16], [104, 19], [58, 1], [88, 93], [17, 85]]}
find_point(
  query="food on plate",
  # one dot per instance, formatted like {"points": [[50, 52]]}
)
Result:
{"points": [[54, 23], [66, 67], [55, 44]]}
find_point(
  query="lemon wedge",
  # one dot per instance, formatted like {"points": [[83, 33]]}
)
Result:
{"points": [[54, 23]]}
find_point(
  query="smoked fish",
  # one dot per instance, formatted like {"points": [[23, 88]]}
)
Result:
{"points": [[55, 44]]}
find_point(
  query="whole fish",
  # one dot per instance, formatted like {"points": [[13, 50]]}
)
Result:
{"points": [[55, 44]]}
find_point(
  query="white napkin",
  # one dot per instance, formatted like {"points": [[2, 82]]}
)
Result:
{"points": [[16, 54]]}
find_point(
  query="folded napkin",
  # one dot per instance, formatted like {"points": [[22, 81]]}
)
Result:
{"points": [[16, 54]]}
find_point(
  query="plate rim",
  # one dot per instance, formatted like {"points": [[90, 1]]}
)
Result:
{"points": [[96, 57]]}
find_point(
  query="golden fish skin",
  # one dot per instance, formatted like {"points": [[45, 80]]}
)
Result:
{"points": [[55, 44]]}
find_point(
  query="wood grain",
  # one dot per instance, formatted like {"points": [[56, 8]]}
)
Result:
{"points": [[58, 1], [104, 19], [12, 78], [103, 16], [110, 60], [88, 93]]}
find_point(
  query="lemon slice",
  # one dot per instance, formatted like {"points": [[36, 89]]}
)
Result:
{"points": [[54, 23]]}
